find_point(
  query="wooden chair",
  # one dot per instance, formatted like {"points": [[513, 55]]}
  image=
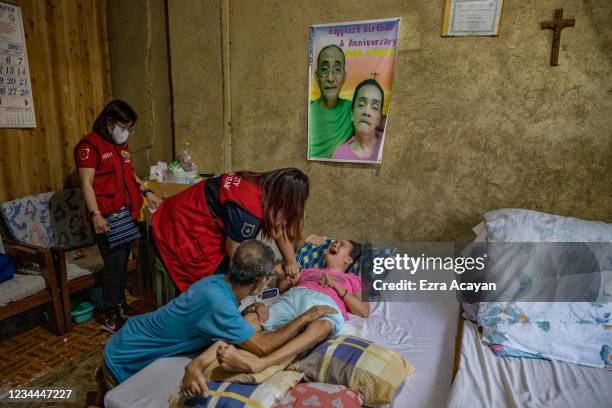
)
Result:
{"points": [[54, 221], [50, 295]]}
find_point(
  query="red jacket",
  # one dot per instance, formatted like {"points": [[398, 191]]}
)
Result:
{"points": [[189, 227], [114, 182]]}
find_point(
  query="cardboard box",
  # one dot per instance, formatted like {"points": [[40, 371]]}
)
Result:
{"points": [[165, 190]]}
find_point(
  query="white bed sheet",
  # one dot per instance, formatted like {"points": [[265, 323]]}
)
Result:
{"points": [[424, 333], [485, 380]]}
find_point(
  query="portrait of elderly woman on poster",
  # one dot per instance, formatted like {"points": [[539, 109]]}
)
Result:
{"points": [[367, 139]]}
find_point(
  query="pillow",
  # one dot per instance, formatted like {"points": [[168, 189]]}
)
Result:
{"points": [[574, 332], [215, 373], [519, 225], [7, 268], [310, 255], [375, 371], [234, 395], [321, 396], [535, 258]]}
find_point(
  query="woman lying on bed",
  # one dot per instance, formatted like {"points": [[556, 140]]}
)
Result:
{"points": [[330, 286]]}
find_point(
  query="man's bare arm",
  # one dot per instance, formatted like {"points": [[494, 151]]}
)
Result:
{"points": [[263, 343]]}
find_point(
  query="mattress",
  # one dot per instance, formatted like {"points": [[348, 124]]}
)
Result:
{"points": [[485, 380], [422, 332]]}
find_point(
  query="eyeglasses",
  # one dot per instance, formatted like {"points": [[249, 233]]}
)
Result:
{"points": [[335, 71], [129, 129]]}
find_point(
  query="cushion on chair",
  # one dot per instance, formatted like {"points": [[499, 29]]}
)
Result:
{"points": [[92, 262], [29, 219], [68, 208], [53, 219], [20, 287]]}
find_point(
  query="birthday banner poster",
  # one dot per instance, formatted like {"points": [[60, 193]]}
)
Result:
{"points": [[351, 68]]}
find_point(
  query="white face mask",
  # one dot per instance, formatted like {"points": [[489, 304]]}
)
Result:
{"points": [[120, 135]]}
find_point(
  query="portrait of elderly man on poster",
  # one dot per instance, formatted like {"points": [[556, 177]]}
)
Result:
{"points": [[351, 69]]}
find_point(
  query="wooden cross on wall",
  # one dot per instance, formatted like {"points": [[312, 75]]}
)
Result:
{"points": [[557, 25], [374, 75]]}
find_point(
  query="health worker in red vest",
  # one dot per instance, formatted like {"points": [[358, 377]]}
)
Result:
{"points": [[197, 231], [113, 196]]}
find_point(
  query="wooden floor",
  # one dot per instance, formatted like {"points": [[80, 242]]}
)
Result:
{"points": [[36, 352]]}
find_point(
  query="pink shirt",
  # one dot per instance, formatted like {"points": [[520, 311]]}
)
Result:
{"points": [[344, 152], [311, 277]]}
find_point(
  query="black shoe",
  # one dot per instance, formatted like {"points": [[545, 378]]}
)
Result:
{"points": [[112, 324], [126, 311]]}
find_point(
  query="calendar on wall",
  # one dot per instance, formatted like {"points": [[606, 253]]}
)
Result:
{"points": [[16, 103]]}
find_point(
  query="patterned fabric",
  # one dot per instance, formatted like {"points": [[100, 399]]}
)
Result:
{"points": [[321, 396], [123, 228], [310, 255], [53, 219], [29, 219], [575, 332], [372, 369], [68, 207], [216, 373], [233, 395]]}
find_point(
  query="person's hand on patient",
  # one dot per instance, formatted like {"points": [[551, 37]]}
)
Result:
{"points": [[292, 272], [315, 312], [193, 383], [262, 311], [328, 281]]}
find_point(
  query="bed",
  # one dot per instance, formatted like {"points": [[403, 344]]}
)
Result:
{"points": [[423, 332], [485, 380]]}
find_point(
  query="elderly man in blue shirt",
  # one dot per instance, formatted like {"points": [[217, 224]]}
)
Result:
{"points": [[204, 314]]}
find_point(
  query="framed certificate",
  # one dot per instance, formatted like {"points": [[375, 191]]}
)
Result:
{"points": [[471, 17]]}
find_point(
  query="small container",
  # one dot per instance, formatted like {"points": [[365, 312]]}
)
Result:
{"points": [[82, 313]]}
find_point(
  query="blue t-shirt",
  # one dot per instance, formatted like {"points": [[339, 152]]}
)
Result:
{"points": [[205, 313]]}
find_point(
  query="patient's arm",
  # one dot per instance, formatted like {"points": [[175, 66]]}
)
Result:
{"points": [[354, 303], [263, 343]]}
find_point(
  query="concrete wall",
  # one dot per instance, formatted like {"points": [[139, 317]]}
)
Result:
{"points": [[197, 77], [476, 123], [140, 75]]}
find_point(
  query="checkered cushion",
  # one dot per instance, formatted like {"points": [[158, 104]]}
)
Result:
{"points": [[234, 395], [373, 370]]}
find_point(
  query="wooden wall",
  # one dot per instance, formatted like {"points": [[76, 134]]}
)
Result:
{"points": [[67, 43]]}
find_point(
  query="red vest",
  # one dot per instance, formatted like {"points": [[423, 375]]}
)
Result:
{"points": [[190, 236], [114, 182]]}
